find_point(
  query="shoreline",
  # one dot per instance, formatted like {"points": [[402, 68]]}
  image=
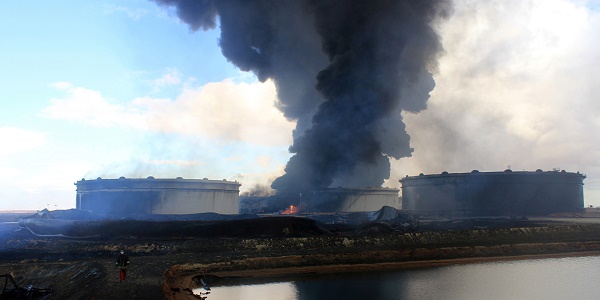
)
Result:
{"points": [[350, 268], [167, 268], [181, 280]]}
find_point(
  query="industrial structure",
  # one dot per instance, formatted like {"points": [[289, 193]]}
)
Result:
{"points": [[126, 196], [352, 199], [325, 200], [508, 193]]}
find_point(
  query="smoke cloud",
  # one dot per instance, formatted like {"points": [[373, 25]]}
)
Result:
{"points": [[344, 71], [517, 88]]}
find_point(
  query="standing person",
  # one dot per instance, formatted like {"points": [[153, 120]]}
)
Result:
{"points": [[122, 264]]}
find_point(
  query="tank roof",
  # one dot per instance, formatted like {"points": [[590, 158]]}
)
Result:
{"points": [[152, 179], [151, 183], [507, 172]]}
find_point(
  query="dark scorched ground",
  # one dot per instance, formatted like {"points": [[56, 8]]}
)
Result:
{"points": [[169, 256]]}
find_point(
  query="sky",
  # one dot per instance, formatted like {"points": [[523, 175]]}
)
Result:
{"points": [[106, 89]]}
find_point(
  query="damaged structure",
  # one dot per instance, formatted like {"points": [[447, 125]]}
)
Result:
{"points": [[507, 193], [329, 200], [352, 199], [126, 196]]}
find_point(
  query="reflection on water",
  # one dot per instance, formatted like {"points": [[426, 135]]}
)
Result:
{"points": [[557, 278], [275, 291]]}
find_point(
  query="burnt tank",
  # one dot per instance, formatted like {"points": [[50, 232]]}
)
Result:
{"points": [[327, 200], [507, 193], [126, 196], [352, 199]]}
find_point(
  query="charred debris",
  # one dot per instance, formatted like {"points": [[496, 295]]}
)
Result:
{"points": [[12, 290], [85, 224]]}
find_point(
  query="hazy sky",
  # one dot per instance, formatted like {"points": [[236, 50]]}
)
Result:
{"points": [[122, 88]]}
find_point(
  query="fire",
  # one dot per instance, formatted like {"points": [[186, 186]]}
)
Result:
{"points": [[290, 210]]}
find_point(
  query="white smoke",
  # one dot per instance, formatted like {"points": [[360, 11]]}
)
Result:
{"points": [[518, 86]]}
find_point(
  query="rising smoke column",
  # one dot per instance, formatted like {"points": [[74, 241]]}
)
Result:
{"points": [[344, 70]]}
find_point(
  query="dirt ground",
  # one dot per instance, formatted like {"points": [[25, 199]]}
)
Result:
{"points": [[169, 268], [172, 277], [93, 278]]}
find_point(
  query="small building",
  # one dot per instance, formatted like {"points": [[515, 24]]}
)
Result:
{"points": [[126, 196], [504, 193]]}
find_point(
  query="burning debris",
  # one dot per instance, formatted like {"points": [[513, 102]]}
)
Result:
{"points": [[330, 200], [292, 210], [344, 71]]}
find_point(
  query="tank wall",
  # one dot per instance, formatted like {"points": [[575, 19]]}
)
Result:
{"points": [[352, 199], [370, 201], [157, 196], [118, 202], [182, 202], [493, 194]]}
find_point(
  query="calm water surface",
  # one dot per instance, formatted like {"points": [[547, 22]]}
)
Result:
{"points": [[554, 278]]}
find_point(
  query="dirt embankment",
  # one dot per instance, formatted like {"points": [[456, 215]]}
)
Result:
{"points": [[84, 269], [294, 256]]}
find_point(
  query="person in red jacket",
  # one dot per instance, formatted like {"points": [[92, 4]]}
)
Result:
{"points": [[122, 265]]}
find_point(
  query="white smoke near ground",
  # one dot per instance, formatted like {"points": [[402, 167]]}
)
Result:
{"points": [[517, 86]]}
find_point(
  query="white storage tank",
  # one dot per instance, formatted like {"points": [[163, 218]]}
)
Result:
{"points": [[126, 196], [353, 199]]}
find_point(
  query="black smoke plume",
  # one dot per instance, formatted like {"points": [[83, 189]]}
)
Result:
{"points": [[344, 70]]}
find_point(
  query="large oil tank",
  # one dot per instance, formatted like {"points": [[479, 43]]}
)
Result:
{"points": [[352, 199], [505, 193], [125, 196]]}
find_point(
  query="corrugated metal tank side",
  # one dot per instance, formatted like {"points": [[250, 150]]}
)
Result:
{"points": [[157, 196], [494, 193], [353, 199], [371, 200]]}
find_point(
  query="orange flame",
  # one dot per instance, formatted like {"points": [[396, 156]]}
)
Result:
{"points": [[290, 210]]}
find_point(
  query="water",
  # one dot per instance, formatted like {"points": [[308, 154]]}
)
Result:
{"points": [[553, 278]]}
